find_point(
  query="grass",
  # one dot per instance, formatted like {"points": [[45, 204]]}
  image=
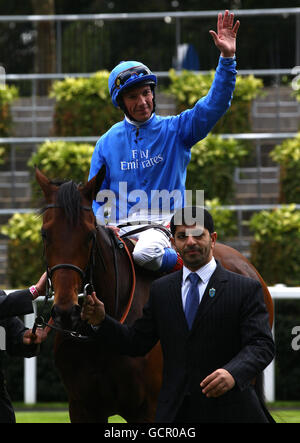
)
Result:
{"points": [[48, 413], [52, 417], [42, 417], [287, 416], [282, 412]]}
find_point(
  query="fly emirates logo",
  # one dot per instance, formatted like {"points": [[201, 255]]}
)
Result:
{"points": [[140, 159]]}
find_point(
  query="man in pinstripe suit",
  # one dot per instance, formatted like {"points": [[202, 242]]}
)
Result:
{"points": [[209, 366]]}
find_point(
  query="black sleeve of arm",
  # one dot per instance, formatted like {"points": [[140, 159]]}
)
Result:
{"points": [[14, 332], [135, 340], [15, 303]]}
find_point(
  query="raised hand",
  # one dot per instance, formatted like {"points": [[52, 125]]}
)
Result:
{"points": [[225, 39]]}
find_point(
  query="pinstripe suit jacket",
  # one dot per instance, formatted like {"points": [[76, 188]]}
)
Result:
{"points": [[230, 331]]}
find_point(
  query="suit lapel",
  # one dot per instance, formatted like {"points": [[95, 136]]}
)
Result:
{"points": [[175, 299], [216, 282], [213, 292]]}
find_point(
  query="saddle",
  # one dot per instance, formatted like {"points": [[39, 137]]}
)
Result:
{"points": [[127, 242], [129, 238]]}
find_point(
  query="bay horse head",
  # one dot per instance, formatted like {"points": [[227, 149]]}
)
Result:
{"points": [[69, 234]]}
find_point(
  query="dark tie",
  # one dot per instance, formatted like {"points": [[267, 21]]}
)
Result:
{"points": [[192, 299]]}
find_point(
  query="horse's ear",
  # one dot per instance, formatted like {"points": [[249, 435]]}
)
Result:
{"points": [[47, 187], [91, 189]]}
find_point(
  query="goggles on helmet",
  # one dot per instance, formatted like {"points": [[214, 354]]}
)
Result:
{"points": [[127, 74], [134, 72]]}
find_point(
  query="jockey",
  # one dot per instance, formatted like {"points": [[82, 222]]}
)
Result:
{"points": [[146, 155]]}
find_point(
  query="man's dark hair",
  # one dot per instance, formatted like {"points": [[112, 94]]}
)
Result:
{"points": [[190, 213]]}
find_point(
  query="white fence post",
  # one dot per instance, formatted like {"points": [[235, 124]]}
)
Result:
{"points": [[269, 382], [30, 367]]}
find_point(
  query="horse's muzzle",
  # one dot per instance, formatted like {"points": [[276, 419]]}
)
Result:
{"points": [[68, 319]]}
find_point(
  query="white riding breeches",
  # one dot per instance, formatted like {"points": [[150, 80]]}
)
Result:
{"points": [[150, 247]]}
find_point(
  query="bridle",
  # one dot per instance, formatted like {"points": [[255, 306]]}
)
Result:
{"points": [[86, 276]]}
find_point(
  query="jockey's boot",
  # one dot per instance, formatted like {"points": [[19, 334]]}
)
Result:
{"points": [[171, 261]]}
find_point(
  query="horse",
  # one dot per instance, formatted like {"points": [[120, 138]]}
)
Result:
{"points": [[79, 254]]}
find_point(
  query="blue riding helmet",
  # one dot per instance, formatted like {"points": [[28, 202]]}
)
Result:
{"points": [[127, 74]]}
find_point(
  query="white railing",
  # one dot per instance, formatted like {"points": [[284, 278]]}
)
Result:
{"points": [[278, 292], [146, 15], [166, 17]]}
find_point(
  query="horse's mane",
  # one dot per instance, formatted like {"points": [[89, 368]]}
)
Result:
{"points": [[68, 197]]}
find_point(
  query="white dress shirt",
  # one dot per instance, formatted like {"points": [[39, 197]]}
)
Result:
{"points": [[204, 273]]}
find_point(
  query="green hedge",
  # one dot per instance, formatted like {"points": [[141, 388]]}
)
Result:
{"points": [[224, 220], [25, 249], [296, 87], [2, 151], [212, 167], [61, 160], [83, 106], [7, 95], [188, 87], [287, 154], [275, 250]]}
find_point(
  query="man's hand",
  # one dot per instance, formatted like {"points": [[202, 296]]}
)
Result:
{"points": [[217, 383], [225, 39], [41, 286], [34, 339], [93, 310]]}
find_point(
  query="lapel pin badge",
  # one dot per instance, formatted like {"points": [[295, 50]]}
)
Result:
{"points": [[212, 292]]}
